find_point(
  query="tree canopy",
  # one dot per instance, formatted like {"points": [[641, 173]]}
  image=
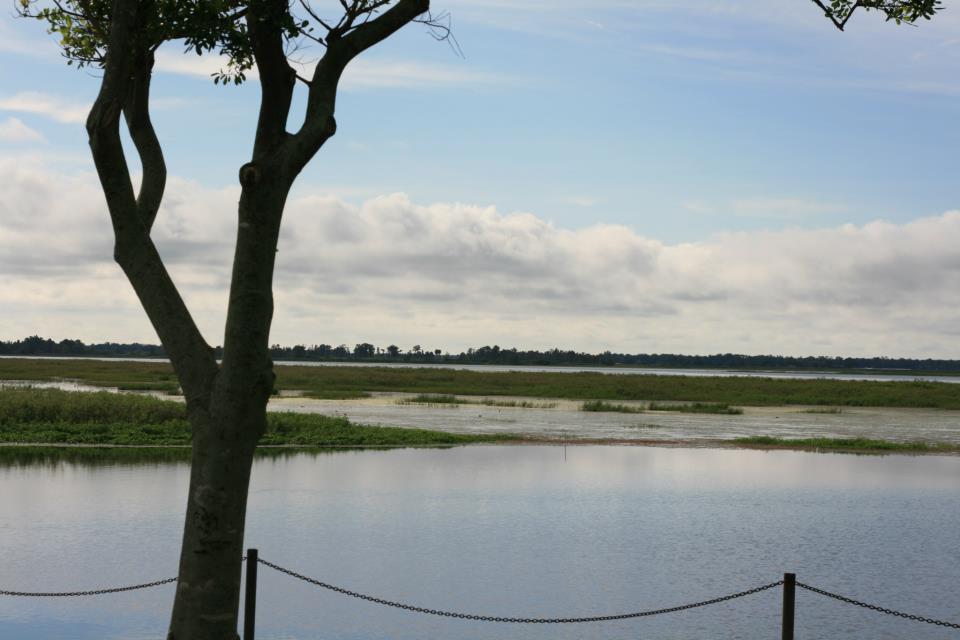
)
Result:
{"points": [[213, 26], [900, 11]]}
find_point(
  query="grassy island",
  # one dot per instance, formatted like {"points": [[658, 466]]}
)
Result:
{"points": [[51, 416], [866, 445]]}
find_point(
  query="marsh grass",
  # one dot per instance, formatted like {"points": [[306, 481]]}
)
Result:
{"points": [[846, 444], [351, 382], [521, 404], [20, 405], [438, 400], [697, 407], [452, 401], [51, 416], [331, 394], [170, 389], [601, 405]]}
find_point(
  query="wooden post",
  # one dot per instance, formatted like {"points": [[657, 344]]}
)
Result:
{"points": [[789, 593], [250, 600]]}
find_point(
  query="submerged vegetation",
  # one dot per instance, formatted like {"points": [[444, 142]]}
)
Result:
{"points": [[447, 400], [845, 444], [694, 407], [41, 416], [601, 405], [697, 407]]}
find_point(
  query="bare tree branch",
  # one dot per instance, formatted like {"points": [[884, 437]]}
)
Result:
{"points": [[439, 28], [190, 355], [306, 7]]}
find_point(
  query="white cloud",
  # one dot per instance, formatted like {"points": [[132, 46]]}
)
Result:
{"points": [[190, 64], [14, 130], [47, 105], [364, 73], [454, 275]]}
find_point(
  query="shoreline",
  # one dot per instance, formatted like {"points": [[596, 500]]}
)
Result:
{"points": [[522, 442]]}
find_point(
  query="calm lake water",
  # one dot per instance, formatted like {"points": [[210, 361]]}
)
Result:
{"points": [[515, 531]]}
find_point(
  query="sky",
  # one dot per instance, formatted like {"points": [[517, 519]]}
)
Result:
{"points": [[682, 176]]}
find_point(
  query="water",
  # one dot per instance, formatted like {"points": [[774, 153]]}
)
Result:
{"points": [[521, 531], [567, 421]]}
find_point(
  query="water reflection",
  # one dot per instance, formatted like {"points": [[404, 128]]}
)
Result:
{"points": [[91, 456], [509, 530]]}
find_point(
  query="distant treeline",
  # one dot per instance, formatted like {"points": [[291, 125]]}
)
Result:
{"points": [[366, 352]]}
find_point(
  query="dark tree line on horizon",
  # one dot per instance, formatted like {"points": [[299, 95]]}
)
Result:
{"points": [[495, 355]]}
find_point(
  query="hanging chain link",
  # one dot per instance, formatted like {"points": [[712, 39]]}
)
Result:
{"points": [[92, 592], [480, 618], [873, 607], [483, 618]]}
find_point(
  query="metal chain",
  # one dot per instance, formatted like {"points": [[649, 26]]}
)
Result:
{"points": [[468, 616], [93, 592], [899, 614]]}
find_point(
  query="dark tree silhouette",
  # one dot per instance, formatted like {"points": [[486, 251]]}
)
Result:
{"points": [[226, 401], [839, 12]]}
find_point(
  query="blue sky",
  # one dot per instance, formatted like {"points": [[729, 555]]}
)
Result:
{"points": [[689, 176]]}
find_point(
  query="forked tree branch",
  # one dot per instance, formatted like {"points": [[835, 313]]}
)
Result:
{"points": [[319, 124], [136, 111], [134, 251], [839, 24]]}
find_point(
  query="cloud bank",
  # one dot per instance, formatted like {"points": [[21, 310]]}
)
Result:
{"points": [[452, 275]]}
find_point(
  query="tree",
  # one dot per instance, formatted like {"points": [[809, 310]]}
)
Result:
{"points": [[364, 350], [839, 12], [226, 402]]}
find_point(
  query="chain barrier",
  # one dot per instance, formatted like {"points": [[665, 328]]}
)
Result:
{"points": [[485, 618], [873, 607], [92, 592], [481, 618]]}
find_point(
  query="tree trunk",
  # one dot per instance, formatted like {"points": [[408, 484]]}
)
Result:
{"points": [[225, 437], [208, 592]]}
